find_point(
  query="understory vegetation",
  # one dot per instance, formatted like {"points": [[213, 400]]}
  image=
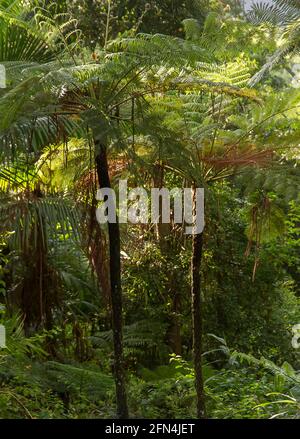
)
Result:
{"points": [[143, 320]]}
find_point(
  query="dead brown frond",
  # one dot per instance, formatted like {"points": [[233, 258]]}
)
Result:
{"points": [[239, 159]]}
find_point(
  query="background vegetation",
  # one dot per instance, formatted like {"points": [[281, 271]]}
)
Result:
{"points": [[125, 320]]}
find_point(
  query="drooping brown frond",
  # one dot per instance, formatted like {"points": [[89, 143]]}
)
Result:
{"points": [[237, 159]]}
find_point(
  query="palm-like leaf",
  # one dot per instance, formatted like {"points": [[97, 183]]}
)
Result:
{"points": [[286, 15]]}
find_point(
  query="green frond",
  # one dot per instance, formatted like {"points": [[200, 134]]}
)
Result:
{"points": [[20, 39], [282, 12], [138, 337], [31, 220]]}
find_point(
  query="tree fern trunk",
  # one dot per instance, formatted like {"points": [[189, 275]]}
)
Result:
{"points": [[116, 290], [197, 316]]}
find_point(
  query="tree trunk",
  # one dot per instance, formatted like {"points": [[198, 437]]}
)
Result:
{"points": [[116, 290], [197, 322]]}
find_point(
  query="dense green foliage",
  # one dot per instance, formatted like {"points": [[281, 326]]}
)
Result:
{"points": [[176, 94]]}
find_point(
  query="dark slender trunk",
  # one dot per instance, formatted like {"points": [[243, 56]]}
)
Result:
{"points": [[197, 316], [116, 290]]}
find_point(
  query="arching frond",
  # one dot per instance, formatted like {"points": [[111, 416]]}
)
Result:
{"points": [[281, 12]]}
